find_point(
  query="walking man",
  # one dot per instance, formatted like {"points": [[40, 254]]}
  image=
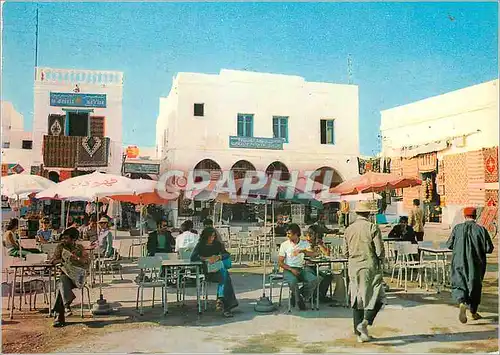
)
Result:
{"points": [[364, 249], [470, 243], [417, 220]]}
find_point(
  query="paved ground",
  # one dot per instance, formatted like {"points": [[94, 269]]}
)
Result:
{"points": [[416, 321]]}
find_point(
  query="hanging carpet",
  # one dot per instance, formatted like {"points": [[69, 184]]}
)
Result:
{"points": [[92, 152]]}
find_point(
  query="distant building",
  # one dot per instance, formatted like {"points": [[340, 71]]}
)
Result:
{"points": [[17, 143], [77, 124], [451, 141], [244, 121]]}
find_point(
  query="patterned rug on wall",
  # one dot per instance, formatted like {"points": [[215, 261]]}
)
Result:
{"points": [[59, 151], [490, 156], [456, 186], [491, 198], [487, 219], [410, 169], [475, 178], [440, 181], [92, 152], [396, 166], [365, 165], [427, 162]]}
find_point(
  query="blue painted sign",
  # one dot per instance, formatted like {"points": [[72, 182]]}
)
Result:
{"points": [[255, 143], [69, 99]]}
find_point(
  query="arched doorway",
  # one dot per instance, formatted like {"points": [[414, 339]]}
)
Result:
{"points": [[322, 176], [241, 167], [53, 176], [140, 176], [278, 167], [210, 166]]}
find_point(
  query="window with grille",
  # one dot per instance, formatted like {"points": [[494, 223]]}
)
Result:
{"points": [[280, 128], [245, 125], [327, 128]]}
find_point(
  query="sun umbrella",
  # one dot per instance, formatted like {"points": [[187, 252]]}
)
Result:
{"points": [[143, 192], [357, 197], [15, 186], [89, 187], [375, 182]]}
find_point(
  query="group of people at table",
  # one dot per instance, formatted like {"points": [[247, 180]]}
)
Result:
{"points": [[363, 247]]}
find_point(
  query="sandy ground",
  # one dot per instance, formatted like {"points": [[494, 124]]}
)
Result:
{"points": [[413, 321]]}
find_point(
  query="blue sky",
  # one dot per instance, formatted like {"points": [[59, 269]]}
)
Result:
{"points": [[401, 52]]}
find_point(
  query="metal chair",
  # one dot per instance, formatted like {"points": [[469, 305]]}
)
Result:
{"points": [[151, 264]]}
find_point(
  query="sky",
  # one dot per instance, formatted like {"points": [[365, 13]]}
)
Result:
{"points": [[400, 52]]}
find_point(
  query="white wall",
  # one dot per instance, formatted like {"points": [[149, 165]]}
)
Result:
{"points": [[89, 82], [13, 126], [472, 111], [192, 139]]}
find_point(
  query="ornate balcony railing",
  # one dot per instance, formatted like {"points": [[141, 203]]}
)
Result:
{"points": [[76, 76]]}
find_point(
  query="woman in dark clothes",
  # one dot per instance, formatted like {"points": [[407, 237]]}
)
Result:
{"points": [[214, 255]]}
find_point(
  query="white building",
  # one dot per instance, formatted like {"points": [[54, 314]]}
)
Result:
{"points": [[78, 120], [254, 121], [16, 142], [449, 129]]}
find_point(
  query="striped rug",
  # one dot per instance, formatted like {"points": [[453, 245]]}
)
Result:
{"points": [[475, 178]]}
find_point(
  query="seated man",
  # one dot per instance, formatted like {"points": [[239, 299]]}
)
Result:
{"points": [[187, 239], [403, 231], [280, 228], [291, 260], [89, 232], [44, 234], [165, 240], [74, 261]]}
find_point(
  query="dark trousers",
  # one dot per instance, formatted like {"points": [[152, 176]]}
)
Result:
{"points": [[419, 236], [358, 315], [64, 295]]}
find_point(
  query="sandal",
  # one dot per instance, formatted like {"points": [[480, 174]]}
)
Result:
{"points": [[219, 305], [228, 314]]}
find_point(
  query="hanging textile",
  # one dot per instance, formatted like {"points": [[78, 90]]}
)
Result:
{"points": [[410, 169], [97, 126], [365, 165], [491, 197], [56, 125], [455, 167], [475, 177], [440, 179], [427, 162], [490, 156], [488, 218], [60, 151], [387, 165], [64, 175], [92, 152], [35, 170]]}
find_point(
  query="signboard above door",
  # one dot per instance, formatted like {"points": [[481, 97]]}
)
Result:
{"points": [[142, 168], [70, 99], [256, 143]]}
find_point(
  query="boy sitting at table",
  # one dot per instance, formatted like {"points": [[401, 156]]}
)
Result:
{"points": [[291, 260], [315, 239], [403, 231], [44, 234]]}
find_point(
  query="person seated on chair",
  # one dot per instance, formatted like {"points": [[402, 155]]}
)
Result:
{"points": [[11, 241], [89, 232], [403, 231], [74, 261], [165, 240], [217, 261], [315, 239], [291, 260], [105, 238], [44, 234], [323, 229], [187, 239]]}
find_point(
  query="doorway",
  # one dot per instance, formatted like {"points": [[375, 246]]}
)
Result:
{"points": [[78, 123]]}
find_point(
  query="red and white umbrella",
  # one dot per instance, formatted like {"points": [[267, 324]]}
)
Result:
{"points": [[375, 182]]}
